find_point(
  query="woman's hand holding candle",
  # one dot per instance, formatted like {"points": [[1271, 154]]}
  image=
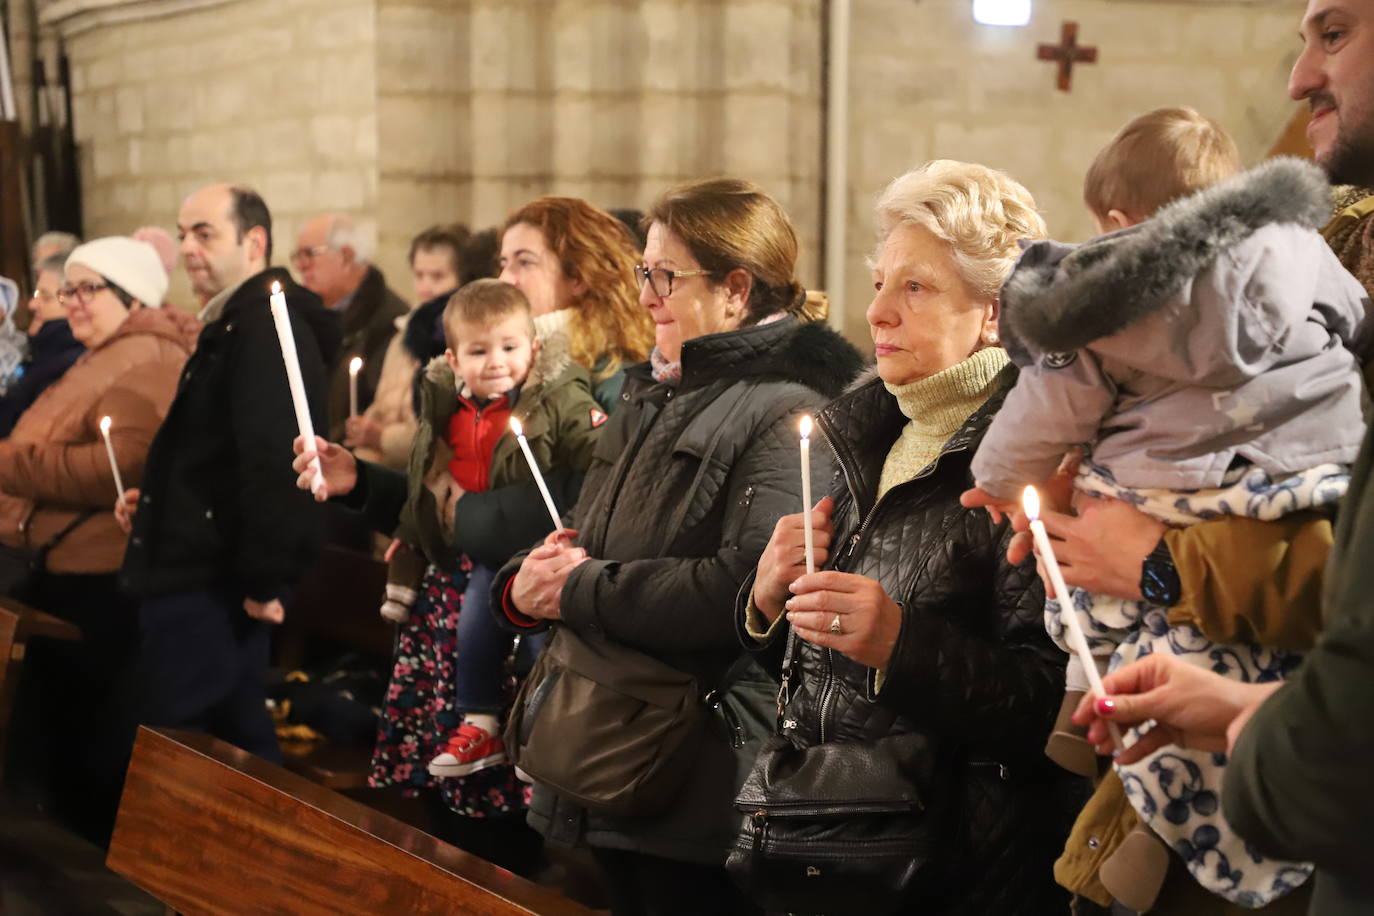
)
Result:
{"points": [[1078, 640], [337, 467], [1189, 706], [784, 559], [519, 431]]}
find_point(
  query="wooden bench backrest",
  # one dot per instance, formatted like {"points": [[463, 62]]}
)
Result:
{"points": [[209, 829], [19, 622]]}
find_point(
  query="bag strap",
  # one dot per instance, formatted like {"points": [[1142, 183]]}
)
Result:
{"points": [[732, 674], [41, 554]]}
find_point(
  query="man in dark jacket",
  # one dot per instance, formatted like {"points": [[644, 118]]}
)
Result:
{"points": [[221, 533], [332, 258]]}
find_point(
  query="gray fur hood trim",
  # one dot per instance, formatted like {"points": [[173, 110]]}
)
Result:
{"points": [[1061, 298]]}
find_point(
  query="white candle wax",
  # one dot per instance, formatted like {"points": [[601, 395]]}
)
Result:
{"points": [[1077, 638], [282, 319], [114, 465], [354, 367], [806, 492], [519, 431]]}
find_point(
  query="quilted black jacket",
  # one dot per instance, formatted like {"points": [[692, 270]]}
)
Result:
{"points": [[683, 492], [972, 667]]}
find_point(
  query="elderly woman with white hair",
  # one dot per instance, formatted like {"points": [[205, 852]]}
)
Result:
{"points": [[916, 663]]}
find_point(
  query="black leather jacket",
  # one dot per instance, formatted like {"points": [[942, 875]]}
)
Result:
{"points": [[973, 666]]}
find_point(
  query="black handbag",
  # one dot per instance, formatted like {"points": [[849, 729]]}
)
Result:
{"points": [[838, 828], [21, 568]]}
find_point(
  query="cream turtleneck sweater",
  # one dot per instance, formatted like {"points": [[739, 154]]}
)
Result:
{"points": [[936, 407]]}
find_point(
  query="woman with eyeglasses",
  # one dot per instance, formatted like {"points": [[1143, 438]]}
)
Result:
{"points": [[690, 475], [52, 348], [57, 493]]}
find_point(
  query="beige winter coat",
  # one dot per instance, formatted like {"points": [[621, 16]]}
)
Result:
{"points": [[54, 465], [393, 407]]}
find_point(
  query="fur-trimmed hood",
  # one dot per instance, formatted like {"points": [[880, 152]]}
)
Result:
{"points": [[807, 352], [1062, 297]]}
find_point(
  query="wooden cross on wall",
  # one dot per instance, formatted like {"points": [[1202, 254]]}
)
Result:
{"points": [[1067, 53]]}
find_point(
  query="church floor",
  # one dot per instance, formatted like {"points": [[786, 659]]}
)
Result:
{"points": [[47, 871]]}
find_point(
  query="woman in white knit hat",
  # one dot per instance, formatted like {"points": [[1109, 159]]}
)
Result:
{"points": [[57, 492]]}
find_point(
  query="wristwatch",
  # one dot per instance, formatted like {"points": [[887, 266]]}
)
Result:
{"points": [[1159, 577]]}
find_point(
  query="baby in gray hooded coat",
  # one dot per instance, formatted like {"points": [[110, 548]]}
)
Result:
{"points": [[1204, 360]]}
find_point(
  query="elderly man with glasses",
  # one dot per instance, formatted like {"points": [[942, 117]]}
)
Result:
{"points": [[333, 257]]}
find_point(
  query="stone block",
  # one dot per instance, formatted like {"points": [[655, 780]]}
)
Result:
{"points": [[615, 136], [104, 72], [520, 58], [758, 45], [128, 107], [333, 137], [111, 159], [288, 192], [342, 189], [422, 49]]}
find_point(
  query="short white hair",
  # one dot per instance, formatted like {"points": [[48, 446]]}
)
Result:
{"points": [[344, 233], [982, 213], [62, 240]]}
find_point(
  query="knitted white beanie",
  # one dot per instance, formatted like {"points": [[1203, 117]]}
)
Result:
{"points": [[131, 265]]}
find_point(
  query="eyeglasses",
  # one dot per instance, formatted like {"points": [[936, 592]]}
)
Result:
{"points": [[42, 295], [302, 256], [661, 278], [81, 292]]}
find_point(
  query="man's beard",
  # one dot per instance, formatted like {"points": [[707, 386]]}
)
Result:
{"points": [[1351, 160]]}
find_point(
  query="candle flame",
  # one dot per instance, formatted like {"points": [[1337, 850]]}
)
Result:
{"points": [[355, 365], [1030, 500], [515, 427], [104, 424], [806, 427], [276, 288]]}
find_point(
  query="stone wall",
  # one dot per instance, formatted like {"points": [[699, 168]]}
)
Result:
{"points": [[487, 104], [928, 82], [278, 95], [411, 112]]}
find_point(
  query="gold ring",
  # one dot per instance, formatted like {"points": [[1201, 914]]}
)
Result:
{"points": [[835, 626]]}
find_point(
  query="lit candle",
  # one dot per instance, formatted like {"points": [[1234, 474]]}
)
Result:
{"points": [[287, 340], [354, 367], [806, 492], [519, 431], [114, 465], [1030, 500]]}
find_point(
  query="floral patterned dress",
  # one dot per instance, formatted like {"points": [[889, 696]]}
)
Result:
{"points": [[418, 715]]}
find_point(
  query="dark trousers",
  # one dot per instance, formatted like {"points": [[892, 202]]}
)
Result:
{"points": [[505, 841], [203, 664], [74, 714], [645, 885]]}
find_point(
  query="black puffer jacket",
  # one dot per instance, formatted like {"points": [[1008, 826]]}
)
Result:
{"points": [[683, 492], [972, 667]]}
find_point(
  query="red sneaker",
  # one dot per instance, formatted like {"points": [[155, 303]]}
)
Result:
{"points": [[468, 750]]}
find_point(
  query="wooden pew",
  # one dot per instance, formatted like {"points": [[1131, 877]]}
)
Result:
{"points": [[18, 624], [209, 829]]}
